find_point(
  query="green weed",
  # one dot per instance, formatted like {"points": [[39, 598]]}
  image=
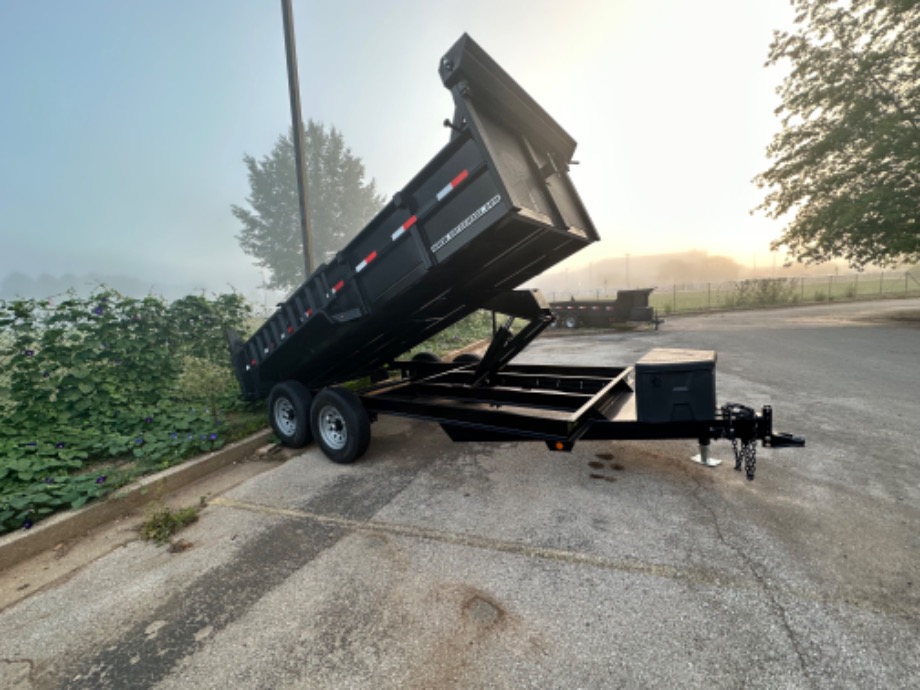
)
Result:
{"points": [[164, 522]]}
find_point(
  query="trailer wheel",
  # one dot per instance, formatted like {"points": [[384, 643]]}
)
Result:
{"points": [[425, 357], [467, 358], [571, 322], [340, 425], [289, 413]]}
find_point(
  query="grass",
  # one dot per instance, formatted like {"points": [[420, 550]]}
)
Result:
{"points": [[800, 291], [164, 522], [473, 328]]}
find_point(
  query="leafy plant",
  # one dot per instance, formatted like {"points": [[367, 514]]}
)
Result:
{"points": [[102, 389]]}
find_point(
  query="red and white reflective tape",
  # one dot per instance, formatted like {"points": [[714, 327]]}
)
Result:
{"points": [[338, 286], [367, 259], [454, 183], [402, 228], [309, 313]]}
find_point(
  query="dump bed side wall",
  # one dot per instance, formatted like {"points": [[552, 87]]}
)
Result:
{"points": [[490, 211]]}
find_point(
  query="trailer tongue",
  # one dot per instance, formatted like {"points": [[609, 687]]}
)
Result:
{"points": [[494, 208]]}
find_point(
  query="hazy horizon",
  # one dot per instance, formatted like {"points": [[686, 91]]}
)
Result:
{"points": [[124, 126]]}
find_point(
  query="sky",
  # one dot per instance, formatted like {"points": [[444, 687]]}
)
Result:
{"points": [[123, 124]]}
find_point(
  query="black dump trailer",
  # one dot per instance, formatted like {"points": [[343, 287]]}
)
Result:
{"points": [[630, 307], [494, 208]]}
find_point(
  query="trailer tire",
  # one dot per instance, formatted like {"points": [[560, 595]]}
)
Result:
{"points": [[289, 413], [425, 357], [340, 425], [467, 358], [571, 322]]}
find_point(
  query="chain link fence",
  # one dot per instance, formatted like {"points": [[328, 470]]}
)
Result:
{"points": [[768, 292]]}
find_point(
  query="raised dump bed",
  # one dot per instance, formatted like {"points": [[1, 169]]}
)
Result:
{"points": [[493, 208]]}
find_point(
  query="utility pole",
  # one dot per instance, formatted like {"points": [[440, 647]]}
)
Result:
{"points": [[300, 158]]}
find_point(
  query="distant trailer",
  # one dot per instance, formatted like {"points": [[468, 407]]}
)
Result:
{"points": [[630, 307]]}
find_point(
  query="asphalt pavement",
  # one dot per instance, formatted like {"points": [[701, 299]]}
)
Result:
{"points": [[429, 564]]}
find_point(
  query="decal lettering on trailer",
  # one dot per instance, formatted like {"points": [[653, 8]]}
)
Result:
{"points": [[472, 218]]}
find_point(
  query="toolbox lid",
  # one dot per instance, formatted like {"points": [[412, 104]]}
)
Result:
{"points": [[668, 358]]}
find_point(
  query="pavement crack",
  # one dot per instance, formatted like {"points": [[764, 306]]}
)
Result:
{"points": [[761, 582], [699, 575]]}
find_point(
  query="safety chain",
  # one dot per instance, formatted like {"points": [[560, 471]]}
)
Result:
{"points": [[745, 448]]}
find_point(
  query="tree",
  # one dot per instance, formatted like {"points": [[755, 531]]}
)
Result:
{"points": [[341, 203], [846, 164]]}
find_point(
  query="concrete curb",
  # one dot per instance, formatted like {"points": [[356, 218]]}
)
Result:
{"points": [[18, 546]]}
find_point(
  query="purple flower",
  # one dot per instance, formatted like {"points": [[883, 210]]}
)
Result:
{"points": [[49, 480], [32, 443], [100, 479], [174, 435], [27, 524], [46, 374], [98, 310], [213, 437], [59, 444], [139, 440], [204, 437], [29, 353], [148, 420]]}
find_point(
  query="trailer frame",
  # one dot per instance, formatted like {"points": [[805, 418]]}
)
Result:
{"points": [[493, 400]]}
